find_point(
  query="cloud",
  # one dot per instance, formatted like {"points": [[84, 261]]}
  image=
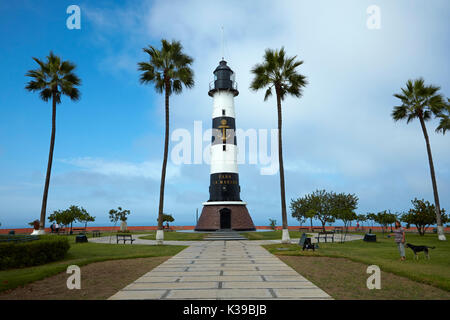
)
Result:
{"points": [[146, 169]]}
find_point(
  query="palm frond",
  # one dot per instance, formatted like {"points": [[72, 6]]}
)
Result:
{"points": [[444, 124], [400, 112], [268, 93], [167, 66], [418, 100], [280, 72], [53, 78]]}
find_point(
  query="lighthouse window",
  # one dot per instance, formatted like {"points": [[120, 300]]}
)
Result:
{"points": [[224, 147], [223, 112]]}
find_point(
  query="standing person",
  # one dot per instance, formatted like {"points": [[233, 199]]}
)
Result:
{"points": [[52, 227], [399, 234], [57, 228]]}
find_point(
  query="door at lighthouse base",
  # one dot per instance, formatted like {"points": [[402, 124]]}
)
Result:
{"points": [[225, 218]]}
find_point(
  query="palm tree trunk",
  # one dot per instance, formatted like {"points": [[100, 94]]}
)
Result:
{"points": [[49, 166], [433, 181], [280, 159], [164, 166]]}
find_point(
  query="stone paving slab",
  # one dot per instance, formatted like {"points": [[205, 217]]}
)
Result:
{"points": [[311, 293], [222, 270], [269, 285], [139, 295], [248, 294], [173, 285], [157, 279], [221, 278]]}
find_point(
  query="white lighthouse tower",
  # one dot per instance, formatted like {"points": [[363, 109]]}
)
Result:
{"points": [[224, 210]]}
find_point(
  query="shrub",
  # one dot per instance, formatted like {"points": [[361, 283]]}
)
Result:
{"points": [[33, 253], [272, 224]]}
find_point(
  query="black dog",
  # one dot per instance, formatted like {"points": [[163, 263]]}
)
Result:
{"points": [[416, 249]]}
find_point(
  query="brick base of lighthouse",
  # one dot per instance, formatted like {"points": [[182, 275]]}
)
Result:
{"points": [[217, 217]]}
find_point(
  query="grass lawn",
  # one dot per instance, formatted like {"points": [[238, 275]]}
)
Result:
{"points": [[82, 254], [384, 253], [173, 235], [344, 279], [270, 235]]}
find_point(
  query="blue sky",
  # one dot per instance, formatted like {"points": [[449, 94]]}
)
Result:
{"points": [[339, 136]]}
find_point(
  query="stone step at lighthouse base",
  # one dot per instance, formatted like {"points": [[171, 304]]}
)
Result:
{"points": [[224, 235]]}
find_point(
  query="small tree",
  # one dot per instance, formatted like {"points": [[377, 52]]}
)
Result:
{"points": [[69, 216], [343, 206], [34, 224], [86, 217], [422, 215], [301, 211], [317, 204], [385, 219], [119, 214], [272, 224], [167, 218]]}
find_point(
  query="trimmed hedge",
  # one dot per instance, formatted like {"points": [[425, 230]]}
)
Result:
{"points": [[33, 253]]}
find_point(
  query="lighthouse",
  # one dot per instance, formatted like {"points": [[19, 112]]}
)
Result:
{"points": [[224, 210]]}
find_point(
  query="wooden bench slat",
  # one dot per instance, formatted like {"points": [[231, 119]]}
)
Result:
{"points": [[124, 237]]}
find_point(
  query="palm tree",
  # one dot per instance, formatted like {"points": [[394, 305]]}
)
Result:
{"points": [[52, 79], [421, 101], [279, 72], [168, 69], [444, 123]]}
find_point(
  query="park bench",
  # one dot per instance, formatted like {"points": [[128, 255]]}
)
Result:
{"points": [[338, 229], [95, 233], [60, 231], [325, 235], [124, 237], [79, 230]]}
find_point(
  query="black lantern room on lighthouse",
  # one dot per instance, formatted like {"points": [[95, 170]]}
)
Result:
{"points": [[224, 210]]}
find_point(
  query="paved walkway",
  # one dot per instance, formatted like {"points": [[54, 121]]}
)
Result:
{"points": [[240, 270]]}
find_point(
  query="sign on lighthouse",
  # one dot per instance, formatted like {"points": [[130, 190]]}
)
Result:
{"points": [[224, 209]]}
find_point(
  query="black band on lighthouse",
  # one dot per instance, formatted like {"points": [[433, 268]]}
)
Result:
{"points": [[224, 187]]}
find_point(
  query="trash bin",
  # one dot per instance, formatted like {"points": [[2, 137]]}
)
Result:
{"points": [[81, 238], [370, 237]]}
